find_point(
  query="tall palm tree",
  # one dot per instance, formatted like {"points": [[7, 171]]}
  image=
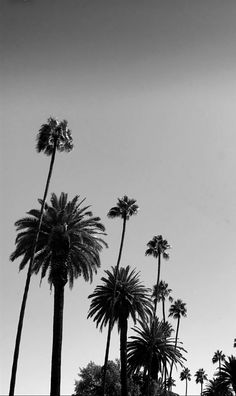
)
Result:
{"points": [[52, 136], [131, 300], [154, 339], [157, 247], [201, 376], [69, 243], [124, 209], [162, 293], [185, 376], [218, 358], [227, 375], [177, 310]]}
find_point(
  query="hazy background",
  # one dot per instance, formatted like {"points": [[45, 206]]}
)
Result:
{"points": [[149, 91]]}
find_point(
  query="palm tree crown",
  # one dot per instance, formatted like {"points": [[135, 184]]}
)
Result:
{"points": [[178, 309], [125, 208], [152, 338], [51, 132], [185, 374], [201, 376], [157, 246], [218, 358], [131, 299], [227, 375], [69, 240]]}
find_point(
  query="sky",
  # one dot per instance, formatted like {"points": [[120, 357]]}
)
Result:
{"points": [[149, 92]]}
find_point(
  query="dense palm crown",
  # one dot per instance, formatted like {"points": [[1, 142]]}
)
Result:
{"points": [[69, 242], [178, 309], [218, 358], [125, 208], [214, 388], [157, 246], [52, 132], [201, 376], [227, 375], [131, 299], [161, 293], [154, 339]]}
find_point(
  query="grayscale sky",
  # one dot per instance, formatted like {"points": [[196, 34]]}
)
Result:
{"points": [[149, 91]]}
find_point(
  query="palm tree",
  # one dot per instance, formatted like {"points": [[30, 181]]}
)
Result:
{"points": [[131, 300], [124, 209], [201, 376], [185, 376], [157, 247], [153, 339], [51, 137], [218, 358], [161, 294], [227, 375], [69, 243], [177, 310], [213, 388]]}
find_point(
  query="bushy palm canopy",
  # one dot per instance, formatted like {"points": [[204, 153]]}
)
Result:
{"points": [[185, 374], [162, 292], [157, 246], [69, 243], [152, 338], [52, 131], [125, 208], [227, 375], [218, 357], [213, 388], [131, 298], [178, 309], [200, 376]]}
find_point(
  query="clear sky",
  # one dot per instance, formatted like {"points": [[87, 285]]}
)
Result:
{"points": [[149, 92]]}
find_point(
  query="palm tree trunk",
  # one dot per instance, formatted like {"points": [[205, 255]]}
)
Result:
{"points": [[176, 339], [27, 284], [157, 284], [110, 325], [201, 387], [123, 357], [186, 386], [57, 339], [163, 310]]}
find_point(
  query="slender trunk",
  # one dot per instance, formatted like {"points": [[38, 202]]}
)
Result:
{"points": [[27, 284], [201, 387], [186, 386], [123, 357], [110, 325], [57, 339], [163, 309], [157, 284], [176, 339]]}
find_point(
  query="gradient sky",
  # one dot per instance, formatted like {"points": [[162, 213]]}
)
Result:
{"points": [[149, 91]]}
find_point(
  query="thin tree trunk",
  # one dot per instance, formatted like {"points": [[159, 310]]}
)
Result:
{"points": [[186, 387], [123, 357], [110, 325], [163, 310], [176, 338], [57, 339], [27, 284], [157, 284]]}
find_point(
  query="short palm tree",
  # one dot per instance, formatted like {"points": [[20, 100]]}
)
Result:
{"points": [[213, 388], [162, 294], [131, 300], [124, 209], [227, 375], [157, 247], [153, 339], [177, 310], [218, 358], [52, 136], [185, 376], [201, 376], [69, 244]]}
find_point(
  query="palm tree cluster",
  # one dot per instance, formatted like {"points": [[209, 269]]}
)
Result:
{"points": [[224, 381]]}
